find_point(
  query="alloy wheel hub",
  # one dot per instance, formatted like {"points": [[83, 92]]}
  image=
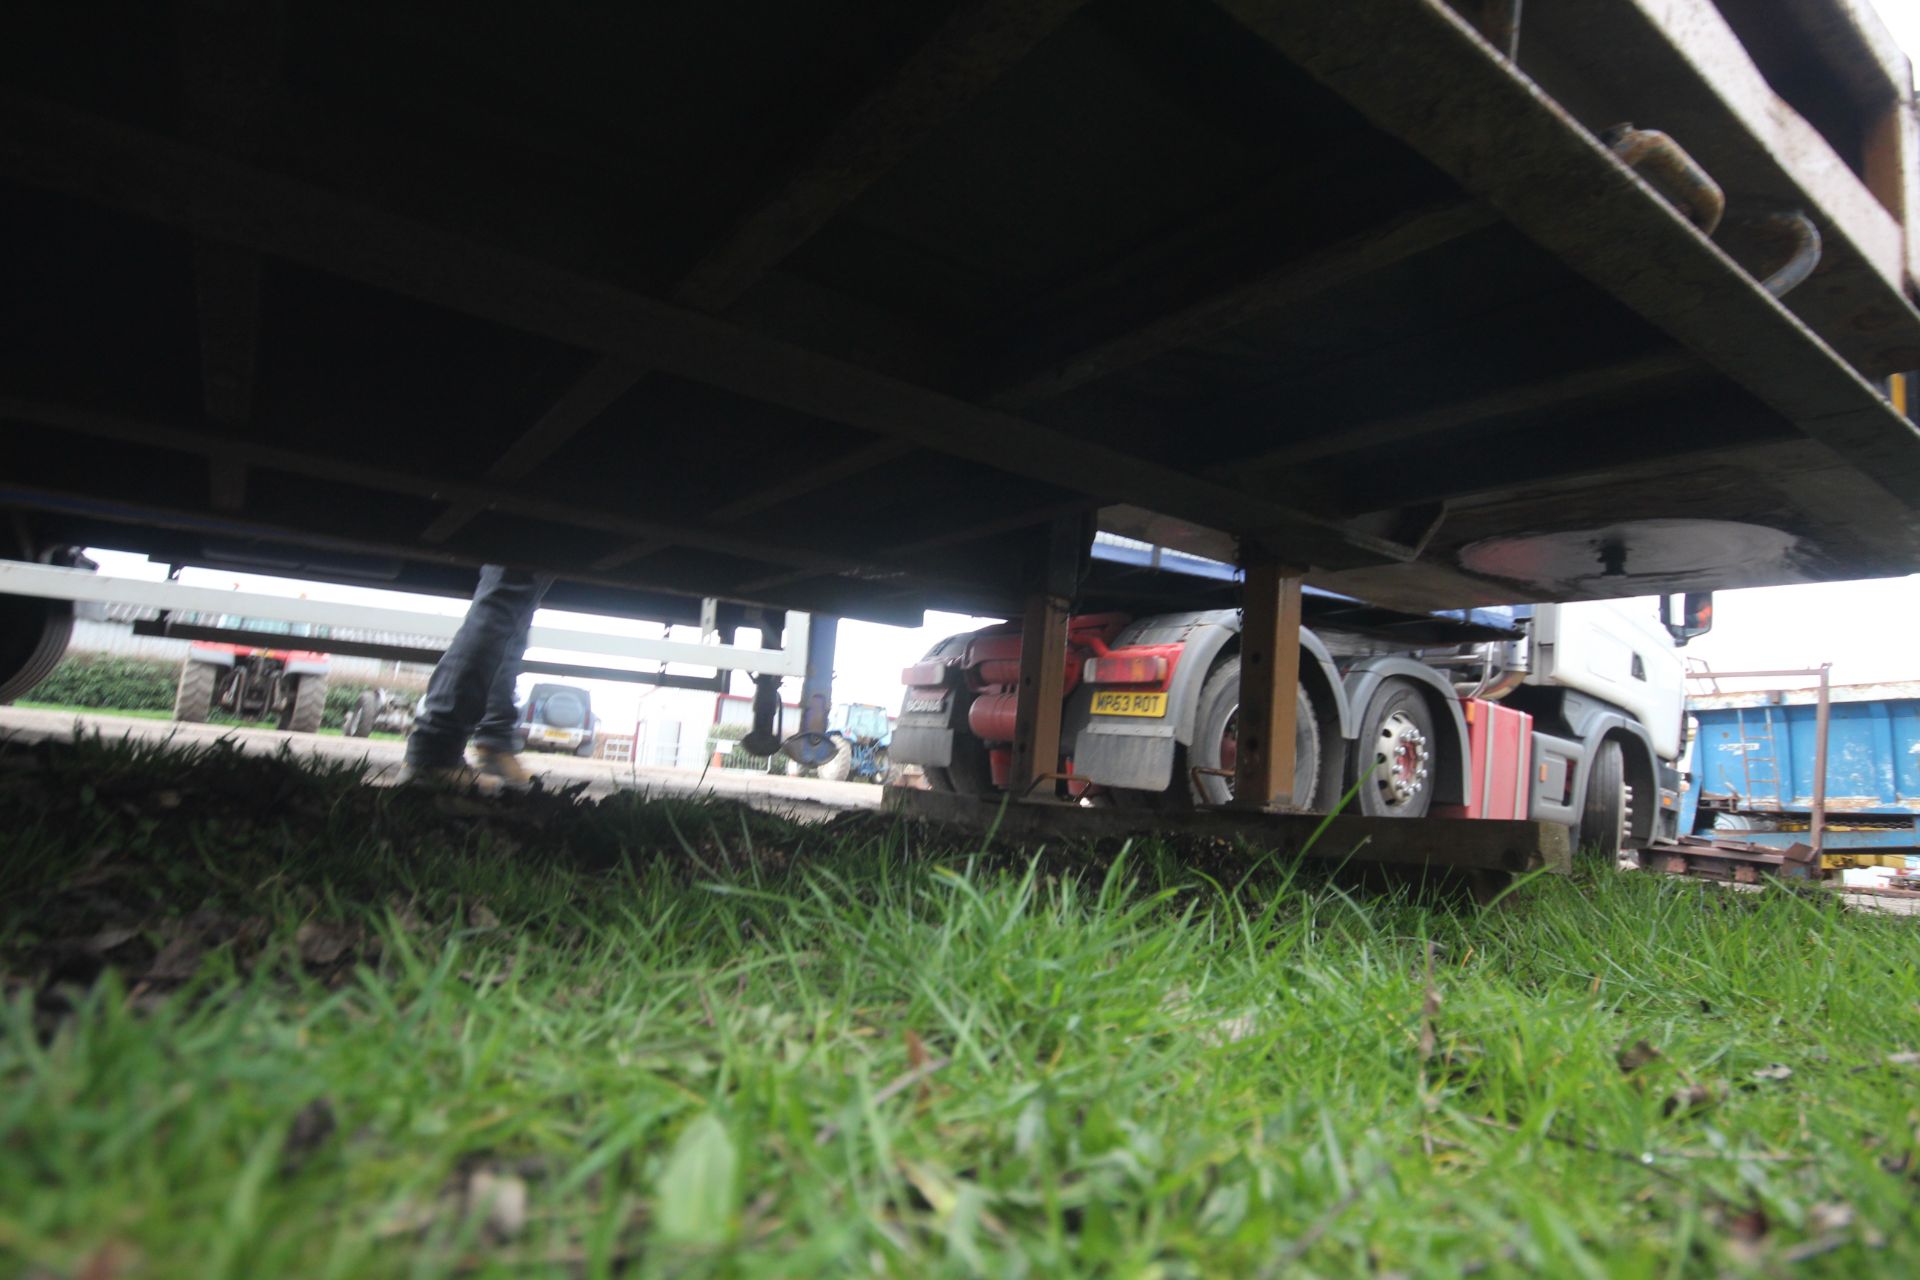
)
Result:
{"points": [[1401, 758]]}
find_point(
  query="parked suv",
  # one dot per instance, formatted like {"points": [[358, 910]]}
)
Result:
{"points": [[558, 717]]}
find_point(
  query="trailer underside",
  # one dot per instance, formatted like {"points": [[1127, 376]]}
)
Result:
{"points": [[866, 308]]}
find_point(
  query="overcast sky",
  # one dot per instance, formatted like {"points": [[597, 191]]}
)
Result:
{"points": [[1864, 629]]}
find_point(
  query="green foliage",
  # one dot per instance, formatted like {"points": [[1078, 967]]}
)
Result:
{"points": [[104, 681], [341, 695]]}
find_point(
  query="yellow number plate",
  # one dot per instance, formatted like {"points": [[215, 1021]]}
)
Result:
{"points": [[1112, 702]]}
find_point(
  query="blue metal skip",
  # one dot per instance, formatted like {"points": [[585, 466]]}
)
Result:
{"points": [[1754, 753], [1873, 750]]}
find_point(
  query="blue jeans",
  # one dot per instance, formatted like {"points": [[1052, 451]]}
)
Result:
{"points": [[471, 692]]}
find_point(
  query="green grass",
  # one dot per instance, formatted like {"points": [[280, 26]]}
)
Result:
{"points": [[263, 1021], [218, 718]]}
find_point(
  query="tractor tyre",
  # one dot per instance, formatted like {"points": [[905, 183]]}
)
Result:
{"points": [[193, 700], [1394, 764], [840, 767], [1603, 810], [306, 706], [33, 638], [358, 722]]}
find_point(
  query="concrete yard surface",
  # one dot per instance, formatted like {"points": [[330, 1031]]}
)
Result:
{"points": [[796, 797]]}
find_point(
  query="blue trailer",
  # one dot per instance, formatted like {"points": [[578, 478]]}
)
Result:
{"points": [[1755, 764]]}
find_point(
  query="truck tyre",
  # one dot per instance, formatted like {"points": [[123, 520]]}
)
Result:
{"points": [[193, 700], [1603, 810], [358, 722], [1215, 746], [305, 707], [1394, 761], [585, 749], [970, 773], [33, 638]]}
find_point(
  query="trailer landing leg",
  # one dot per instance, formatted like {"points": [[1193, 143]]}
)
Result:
{"points": [[1269, 676], [1043, 657]]}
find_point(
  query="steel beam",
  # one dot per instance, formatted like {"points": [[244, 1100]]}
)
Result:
{"points": [[1432, 845], [1269, 684], [1054, 573], [1043, 667], [55, 583], [1508, 143], [1318, 271], [52, 146], [977, 43]]}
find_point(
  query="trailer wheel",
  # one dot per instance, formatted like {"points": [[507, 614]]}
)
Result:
{"points": [[305, 707], [358, 722], [1200, 772], [1603, 811], [1394, 763], [193, 700], [33, 638]]}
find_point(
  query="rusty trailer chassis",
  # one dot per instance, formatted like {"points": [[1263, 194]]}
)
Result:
{"points": [[1487, 855], [1735, 861], [1437, 305]]}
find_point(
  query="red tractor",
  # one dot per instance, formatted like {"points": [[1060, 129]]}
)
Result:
{"points": [[288, 686]]}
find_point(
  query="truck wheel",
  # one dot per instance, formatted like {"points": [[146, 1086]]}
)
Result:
{"points": [[970, 773], [193, 700], [585, 749], [1395, 761], [33, 638], [305, 707], [1216, 742], [1603, 811], [1216, 747], [358, 722]]}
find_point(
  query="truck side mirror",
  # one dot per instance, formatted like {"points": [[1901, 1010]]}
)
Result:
{"points": [[1696, 616]]}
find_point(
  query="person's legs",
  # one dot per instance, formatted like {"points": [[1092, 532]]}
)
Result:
{"points": [[495, 730], [468, 675]]}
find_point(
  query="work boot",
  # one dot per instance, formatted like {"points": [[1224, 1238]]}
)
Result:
{"points": [[451, 777], [503, 766]]}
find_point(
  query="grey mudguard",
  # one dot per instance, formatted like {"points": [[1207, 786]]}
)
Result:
{"points": [[926, 737], [1365, 679], [1138, 753]]}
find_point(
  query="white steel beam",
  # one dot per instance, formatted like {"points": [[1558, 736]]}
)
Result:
{"points": [[56, 583]]}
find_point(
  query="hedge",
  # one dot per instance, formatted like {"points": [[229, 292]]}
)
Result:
{"points": [[110, 683]]}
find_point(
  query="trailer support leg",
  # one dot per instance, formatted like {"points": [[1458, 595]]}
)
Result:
{"points": [[1043, 656], [1043, 668], [1269, 678]]}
